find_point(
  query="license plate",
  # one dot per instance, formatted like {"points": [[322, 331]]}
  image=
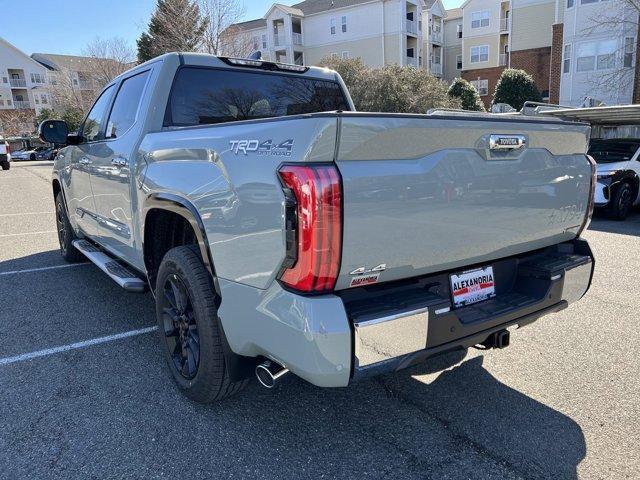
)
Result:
{"points": [[472, 286]]}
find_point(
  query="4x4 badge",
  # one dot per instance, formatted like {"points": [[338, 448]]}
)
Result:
{"points": [[363, 270]]}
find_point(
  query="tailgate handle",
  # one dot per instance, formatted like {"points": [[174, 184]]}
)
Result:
{"points": [[507, 142]]}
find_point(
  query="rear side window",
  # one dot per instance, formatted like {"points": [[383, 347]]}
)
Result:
{"points": [[125, 107], [206, 96]]}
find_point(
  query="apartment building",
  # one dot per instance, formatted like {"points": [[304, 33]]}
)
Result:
{"points": [[23, 81], [452, 39], [433, 36], [594, 53], [379, 32], [499, 34]]}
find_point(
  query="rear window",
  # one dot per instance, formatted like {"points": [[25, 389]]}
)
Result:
{"points": [[205, 96], [613, 151]]}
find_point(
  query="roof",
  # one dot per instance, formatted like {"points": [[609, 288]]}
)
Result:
{"points": [[18, 51], [70, 62], [251, 24], [309, 7], [614, 115], [453, 13]]}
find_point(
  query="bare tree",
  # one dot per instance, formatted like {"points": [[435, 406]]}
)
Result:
{"points": [[222, 36], [15, 123], [618, 18], [110, 57]]}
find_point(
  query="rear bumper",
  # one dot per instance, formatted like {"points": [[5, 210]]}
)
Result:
{"points": [[332, 340]]}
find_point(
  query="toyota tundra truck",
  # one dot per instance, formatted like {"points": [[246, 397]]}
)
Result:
{"points": [[279, 230]]}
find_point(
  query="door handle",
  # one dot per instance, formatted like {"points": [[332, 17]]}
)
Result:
{"points": [[119, 162], [84, 161]]}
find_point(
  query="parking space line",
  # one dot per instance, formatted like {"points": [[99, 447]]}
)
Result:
{"points": [[27, 233], [26, 213], [41, 269], [74, 346]]}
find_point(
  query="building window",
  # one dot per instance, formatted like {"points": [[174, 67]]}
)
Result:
{"points": [[36, 99], [1, 103], [37, 78], [480, 54], [8, 103], [570, 3], [482, 86], [5, 80], [458, 62], [44, 98], [587, 2], [255, 43], [596, 56], [264, 40], [335, 55], [459, 30], [629, 51], [333, 26], [344, 24], [566, 61], [480, 19], [345, 54]]}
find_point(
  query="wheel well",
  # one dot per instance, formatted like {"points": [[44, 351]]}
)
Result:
{"points": [[164, 230], [635, 185]]}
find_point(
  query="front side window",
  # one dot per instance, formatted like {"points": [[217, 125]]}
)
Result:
{"points": [[205, 96], [125, 107], [480, 54], [92, 126], [566, 62], [480, 19]]}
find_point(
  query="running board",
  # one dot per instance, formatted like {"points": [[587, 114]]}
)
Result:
{"points": [[118, 272]]}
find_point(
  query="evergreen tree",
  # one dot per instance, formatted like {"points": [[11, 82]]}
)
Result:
{"points": [[516, 87], [467, 94], [175, 26]]}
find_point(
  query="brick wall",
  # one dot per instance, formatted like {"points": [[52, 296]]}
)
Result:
{"points": [[556, 63], [536, 62], [490, 74]]}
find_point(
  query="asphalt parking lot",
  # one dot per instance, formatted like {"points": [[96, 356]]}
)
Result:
{"points": [[563, 401]]}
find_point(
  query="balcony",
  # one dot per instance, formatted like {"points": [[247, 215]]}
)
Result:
{"points": [[411, 27], [297, 38], [279, 40], [436, 68], [412, 62], [18, 82], [505, 24], [503, 60], [436, 37], [21, 105]]}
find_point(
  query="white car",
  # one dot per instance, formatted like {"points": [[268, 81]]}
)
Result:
{"points": [[617, 190], [27, 154], [5, 155]]}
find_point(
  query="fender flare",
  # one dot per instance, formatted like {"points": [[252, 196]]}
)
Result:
{"points": [[183, 207]]}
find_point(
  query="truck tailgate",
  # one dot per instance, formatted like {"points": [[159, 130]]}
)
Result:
{"points": [[424, 194]]}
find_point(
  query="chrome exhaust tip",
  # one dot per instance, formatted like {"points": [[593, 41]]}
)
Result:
{"points": [[269, 372]]}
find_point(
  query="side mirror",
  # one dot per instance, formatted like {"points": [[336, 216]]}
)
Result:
{"points": [[54, 131]]}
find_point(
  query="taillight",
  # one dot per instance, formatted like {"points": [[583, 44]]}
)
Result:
{"points": [[315, 263], [8, 149]]}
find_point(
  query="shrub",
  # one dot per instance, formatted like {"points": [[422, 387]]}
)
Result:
{"points": [[391, 88], [516, 87], [467, 95]]}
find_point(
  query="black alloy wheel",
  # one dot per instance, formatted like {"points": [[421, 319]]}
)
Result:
{"points": [[180, 327]]}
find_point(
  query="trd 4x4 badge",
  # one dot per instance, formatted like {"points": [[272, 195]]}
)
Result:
{"points": [[266, 147]]}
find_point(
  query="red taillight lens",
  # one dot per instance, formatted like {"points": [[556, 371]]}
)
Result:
{"points": [[318, 197], [8, 149]]}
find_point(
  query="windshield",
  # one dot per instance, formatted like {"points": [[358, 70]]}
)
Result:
{"points": [[613, 151]]}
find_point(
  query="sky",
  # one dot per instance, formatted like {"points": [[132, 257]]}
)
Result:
{"points": [[67, 26]]}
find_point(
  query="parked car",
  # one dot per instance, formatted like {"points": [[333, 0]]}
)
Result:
{"points": [[243, 201], [27, 153], [5, 155], [48, 153], [618, 185]]}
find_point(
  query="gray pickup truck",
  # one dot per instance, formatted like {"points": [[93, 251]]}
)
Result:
{"points": [[279, 230]]}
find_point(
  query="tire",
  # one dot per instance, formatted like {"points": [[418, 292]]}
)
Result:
{"points": [[66, 235], [5, 165], [189, 328], [621, 202], [32, 157]]}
